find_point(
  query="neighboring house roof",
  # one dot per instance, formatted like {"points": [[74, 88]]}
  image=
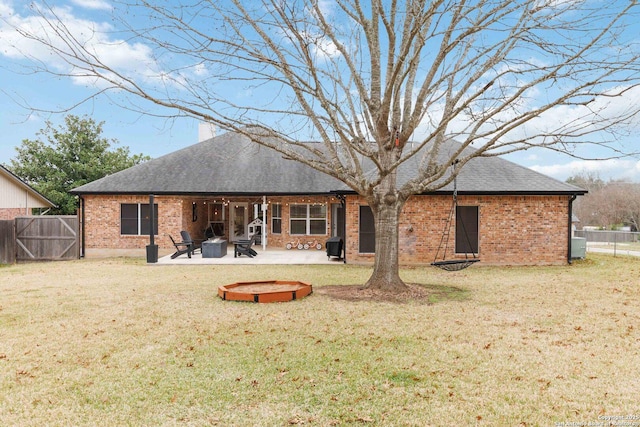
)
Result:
{"points": [[14, 195], [230, 164]]}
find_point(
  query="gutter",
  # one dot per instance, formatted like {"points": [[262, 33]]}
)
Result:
{"points": [[569, 234]]}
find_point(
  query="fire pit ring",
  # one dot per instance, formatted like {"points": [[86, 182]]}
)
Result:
{"points": [[265, 291]]}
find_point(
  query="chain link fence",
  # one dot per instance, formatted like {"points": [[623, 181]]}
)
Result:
{"points": [[611, 241]]}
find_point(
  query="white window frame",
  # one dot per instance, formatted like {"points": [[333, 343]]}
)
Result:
{"points": [[274, 217], [308, 219]]}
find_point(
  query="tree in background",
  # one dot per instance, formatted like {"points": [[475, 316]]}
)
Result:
{"points": [[69, 156], [607, 204], [590, 181], [378, 83]]}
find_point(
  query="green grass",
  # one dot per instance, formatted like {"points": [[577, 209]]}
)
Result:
{"points": [[118, 342]]}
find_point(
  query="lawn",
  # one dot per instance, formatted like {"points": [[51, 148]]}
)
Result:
{"points": [[623, 246], [118, 342]]}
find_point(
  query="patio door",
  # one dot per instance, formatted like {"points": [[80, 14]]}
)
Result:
{"points": [[239, 221], [337, 220]]}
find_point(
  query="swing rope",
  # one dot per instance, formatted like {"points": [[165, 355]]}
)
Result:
{"points": [[453, 264]]}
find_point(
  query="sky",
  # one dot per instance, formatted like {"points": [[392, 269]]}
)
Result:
{"points": [[27, 98]]}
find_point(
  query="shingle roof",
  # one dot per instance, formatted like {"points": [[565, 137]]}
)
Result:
{"points": [[229, 164]]}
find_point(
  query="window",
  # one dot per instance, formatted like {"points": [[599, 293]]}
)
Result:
{"points": [[317, 219], [276, 218], [367, 231], [135, 219], [467, 229], [308, 219]]}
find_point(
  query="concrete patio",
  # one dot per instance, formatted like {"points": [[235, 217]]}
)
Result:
{"points": [[269, 256]]}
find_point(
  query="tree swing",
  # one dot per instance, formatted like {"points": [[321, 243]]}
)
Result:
{"points": [[453, 264]]}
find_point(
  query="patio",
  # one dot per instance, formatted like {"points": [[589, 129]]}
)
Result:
{"points": [[269, 256]]}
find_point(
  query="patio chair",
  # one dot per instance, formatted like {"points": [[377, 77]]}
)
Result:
{"points": [[181, 248], [186, 238], [243, 247]]}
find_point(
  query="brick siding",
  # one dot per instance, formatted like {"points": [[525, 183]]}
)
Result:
{"points": [[102, 221], [11, 213], [513, 230]]}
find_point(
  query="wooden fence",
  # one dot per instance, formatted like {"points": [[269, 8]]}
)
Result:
{"points": [[40, 238], [7, 242]]}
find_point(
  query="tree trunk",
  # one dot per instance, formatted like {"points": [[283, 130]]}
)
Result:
{"points": [[386, 212]]}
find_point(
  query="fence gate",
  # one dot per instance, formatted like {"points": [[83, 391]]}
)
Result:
{"points": [[40, 238]]}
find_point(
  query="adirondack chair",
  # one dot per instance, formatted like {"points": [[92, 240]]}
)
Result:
{"points": [[243, 247], [181, 248], [186, 238]]}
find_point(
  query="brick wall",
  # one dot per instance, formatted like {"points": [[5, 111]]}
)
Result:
{"points": [[280, 240], [11, 213], [102, 221], [513, 230]]}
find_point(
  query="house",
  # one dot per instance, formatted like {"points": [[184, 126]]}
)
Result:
{"points": [[512, 215], [17, 198]]}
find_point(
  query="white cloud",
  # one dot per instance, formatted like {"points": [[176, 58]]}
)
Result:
{"points": [[586, 123], [326, 7], [93, 4], [200, 70], [625, 169], [5, 8], [604, 111], [133, 59], [322, 47], [325, 49]]}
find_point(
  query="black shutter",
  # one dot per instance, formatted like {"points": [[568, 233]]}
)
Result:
{"points": [[467, 229], [367, 231]]}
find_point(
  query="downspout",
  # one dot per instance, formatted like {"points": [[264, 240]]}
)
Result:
{"points": [[343, 202], [569, 234], [82, 228], [152, 248]]}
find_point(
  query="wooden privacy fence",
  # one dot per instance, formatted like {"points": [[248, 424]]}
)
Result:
{"points": [[7, 242], [42, 238]]}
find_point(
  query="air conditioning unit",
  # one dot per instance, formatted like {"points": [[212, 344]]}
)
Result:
{"points": [[578, 248]]}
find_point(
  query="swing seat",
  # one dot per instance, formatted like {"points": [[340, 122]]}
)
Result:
{"points": [[455, 264]]}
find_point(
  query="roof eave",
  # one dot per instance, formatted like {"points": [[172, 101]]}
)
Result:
{"points": [[488, 193], [514, 193], [200, 193]]}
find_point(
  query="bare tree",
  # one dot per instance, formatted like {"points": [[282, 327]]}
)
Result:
{"points": [[611, 205], [365, 78], [608, 204], [590, 181], [623, 199]]}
